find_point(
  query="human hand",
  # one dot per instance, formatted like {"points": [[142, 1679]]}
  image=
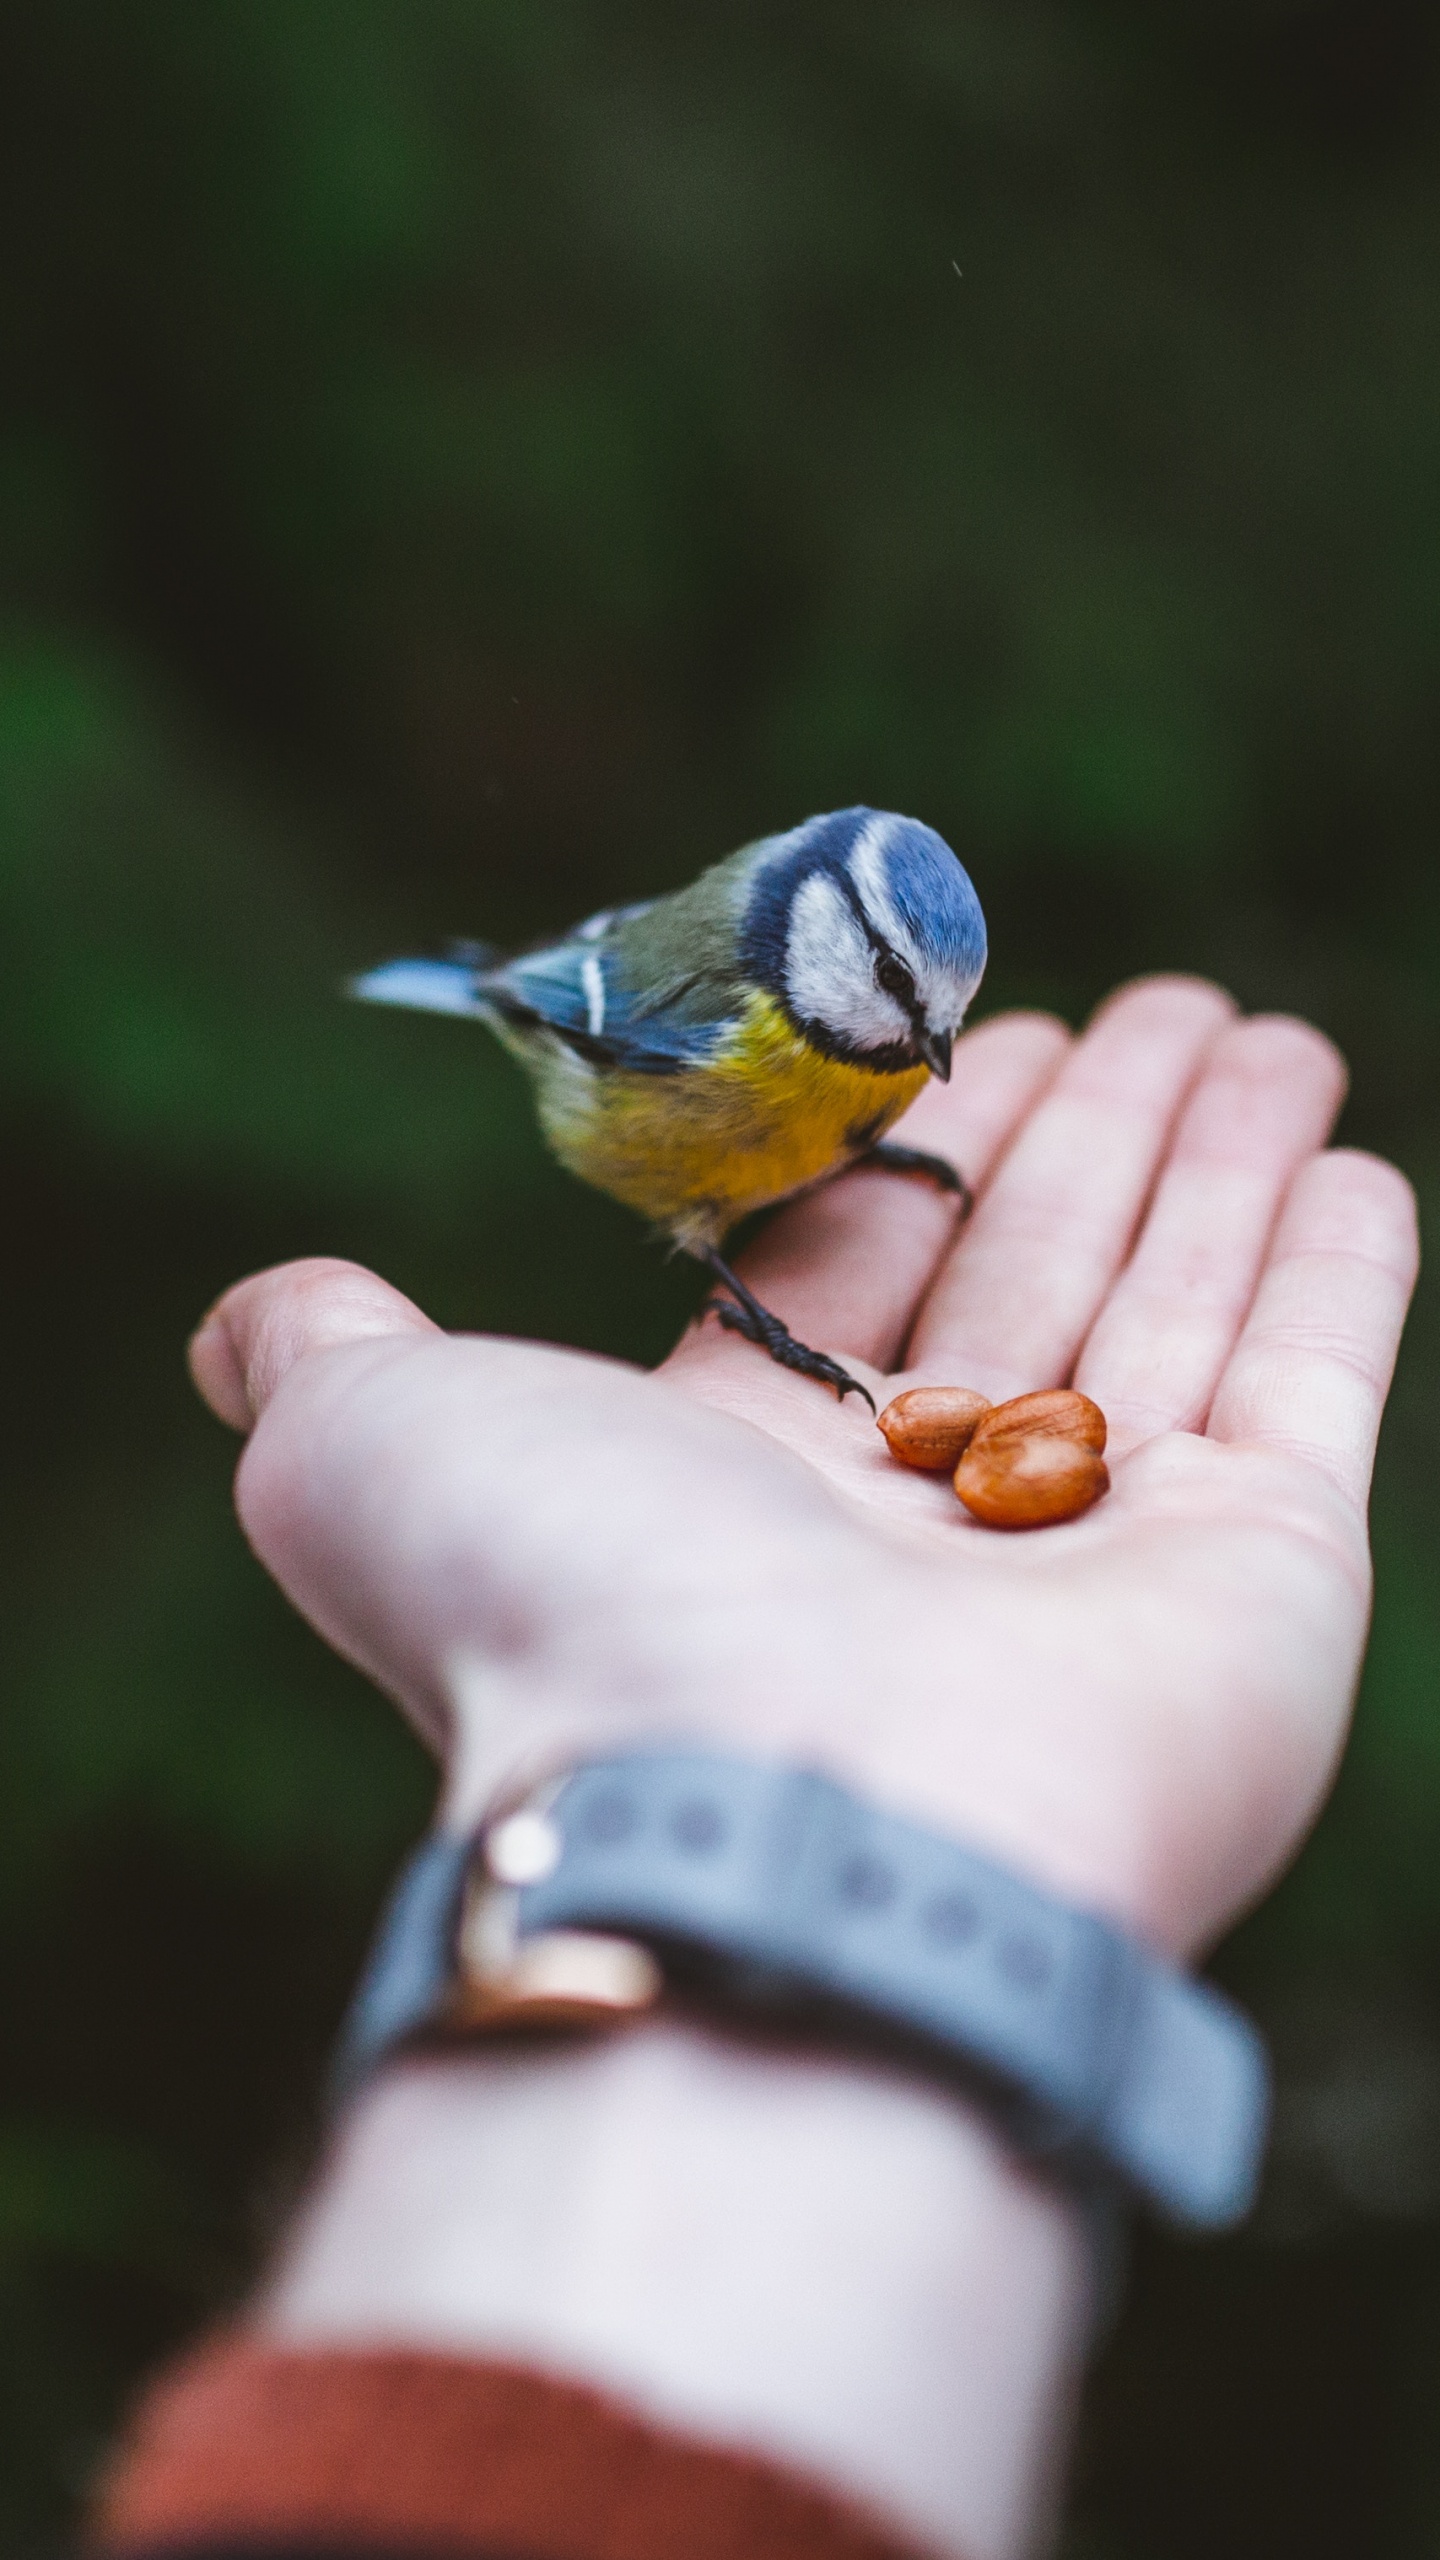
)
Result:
{"points": [[539, 1553]]}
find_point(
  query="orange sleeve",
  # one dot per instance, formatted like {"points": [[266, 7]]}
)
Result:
{"points": [[393, 2450]]}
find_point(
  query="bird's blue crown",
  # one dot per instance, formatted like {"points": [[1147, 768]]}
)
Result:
{"points": [[867, 929]]}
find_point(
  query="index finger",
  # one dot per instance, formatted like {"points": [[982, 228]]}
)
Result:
{"points": [[846, 1265], [1017, 1296]]}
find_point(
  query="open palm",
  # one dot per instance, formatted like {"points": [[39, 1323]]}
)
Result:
{"points": [[538, 1552]]}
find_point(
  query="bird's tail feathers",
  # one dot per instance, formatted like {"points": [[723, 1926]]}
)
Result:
{"points": [[451, 985]]}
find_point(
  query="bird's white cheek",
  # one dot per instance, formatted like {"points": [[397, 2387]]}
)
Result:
{"points": [[829, 970]]}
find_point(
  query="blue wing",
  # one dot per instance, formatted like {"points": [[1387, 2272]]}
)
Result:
{"points": [[572, 989], [580, 991]]}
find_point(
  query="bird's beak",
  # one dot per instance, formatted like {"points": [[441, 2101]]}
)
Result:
{"points": [[934, 1048]]}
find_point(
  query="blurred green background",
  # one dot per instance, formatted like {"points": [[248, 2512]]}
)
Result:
{"points": [[463, 462]]}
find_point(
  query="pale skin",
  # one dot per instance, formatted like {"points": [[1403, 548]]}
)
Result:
{"points": [[537, 1553]]}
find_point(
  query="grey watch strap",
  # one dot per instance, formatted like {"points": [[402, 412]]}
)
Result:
{"points": [[411, 1959], [775, 1889]]}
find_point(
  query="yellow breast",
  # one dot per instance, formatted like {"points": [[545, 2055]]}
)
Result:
{"points": [[697, 1150]]}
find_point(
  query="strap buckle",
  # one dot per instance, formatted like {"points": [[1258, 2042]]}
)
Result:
{"points": [[554, 1980]]}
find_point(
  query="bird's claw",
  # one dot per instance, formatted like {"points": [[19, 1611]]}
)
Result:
{"points": [[772, 1336], [937, 1169]]}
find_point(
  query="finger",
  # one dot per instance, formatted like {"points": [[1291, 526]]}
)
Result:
{"points": [[847, 1266], [1266, 1100], [260, 1328], [1013, 1302], [1310, 1371]]}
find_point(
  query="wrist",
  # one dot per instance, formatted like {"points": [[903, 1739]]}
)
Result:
{"points": [[810, 2256], [1021, 1766]]}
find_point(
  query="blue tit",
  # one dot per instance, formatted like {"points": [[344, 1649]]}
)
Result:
{"points": [[705, 1054]]}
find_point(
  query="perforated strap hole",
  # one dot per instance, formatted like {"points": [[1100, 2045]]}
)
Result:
{"points": [[1024, 1962], [609, 1817], [697, 1825], [952, 1919], [866, 1883]]}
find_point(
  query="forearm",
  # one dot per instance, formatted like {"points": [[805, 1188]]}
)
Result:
{"points": [[818, 2261]]}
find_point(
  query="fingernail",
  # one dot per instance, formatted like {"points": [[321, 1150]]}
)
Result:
{"points": [[215, 1368]]}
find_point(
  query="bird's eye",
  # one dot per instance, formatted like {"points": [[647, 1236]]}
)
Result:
{"points": [[892, 974]]}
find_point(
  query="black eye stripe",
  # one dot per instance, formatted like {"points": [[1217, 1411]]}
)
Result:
{"points": [[891, 972], [764, 951], [852, 897]]}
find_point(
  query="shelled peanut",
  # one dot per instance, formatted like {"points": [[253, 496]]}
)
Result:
{"points": [[1025, 1464], [931, 1427]]}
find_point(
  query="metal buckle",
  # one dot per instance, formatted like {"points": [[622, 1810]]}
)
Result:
{"points": [[559, 1979]]}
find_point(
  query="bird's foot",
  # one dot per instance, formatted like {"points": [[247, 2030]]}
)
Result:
{"points": [[782, 1346], [742, 1313], [937, 1169]]}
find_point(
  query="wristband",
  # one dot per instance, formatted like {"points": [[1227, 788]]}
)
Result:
{"points": [[773, 1892]]}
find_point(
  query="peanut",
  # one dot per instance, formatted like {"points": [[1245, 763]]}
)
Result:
{"points": [[1053, 1413], [1029, 1480], [930, 1427]]}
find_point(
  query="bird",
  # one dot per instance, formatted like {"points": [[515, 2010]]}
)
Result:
{"points": [[705, 1054]]}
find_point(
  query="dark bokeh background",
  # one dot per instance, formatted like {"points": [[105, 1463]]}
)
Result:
{"points": [[460, 462]]}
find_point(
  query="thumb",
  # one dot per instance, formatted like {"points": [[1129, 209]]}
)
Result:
{"points": [[253, 1336]]}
